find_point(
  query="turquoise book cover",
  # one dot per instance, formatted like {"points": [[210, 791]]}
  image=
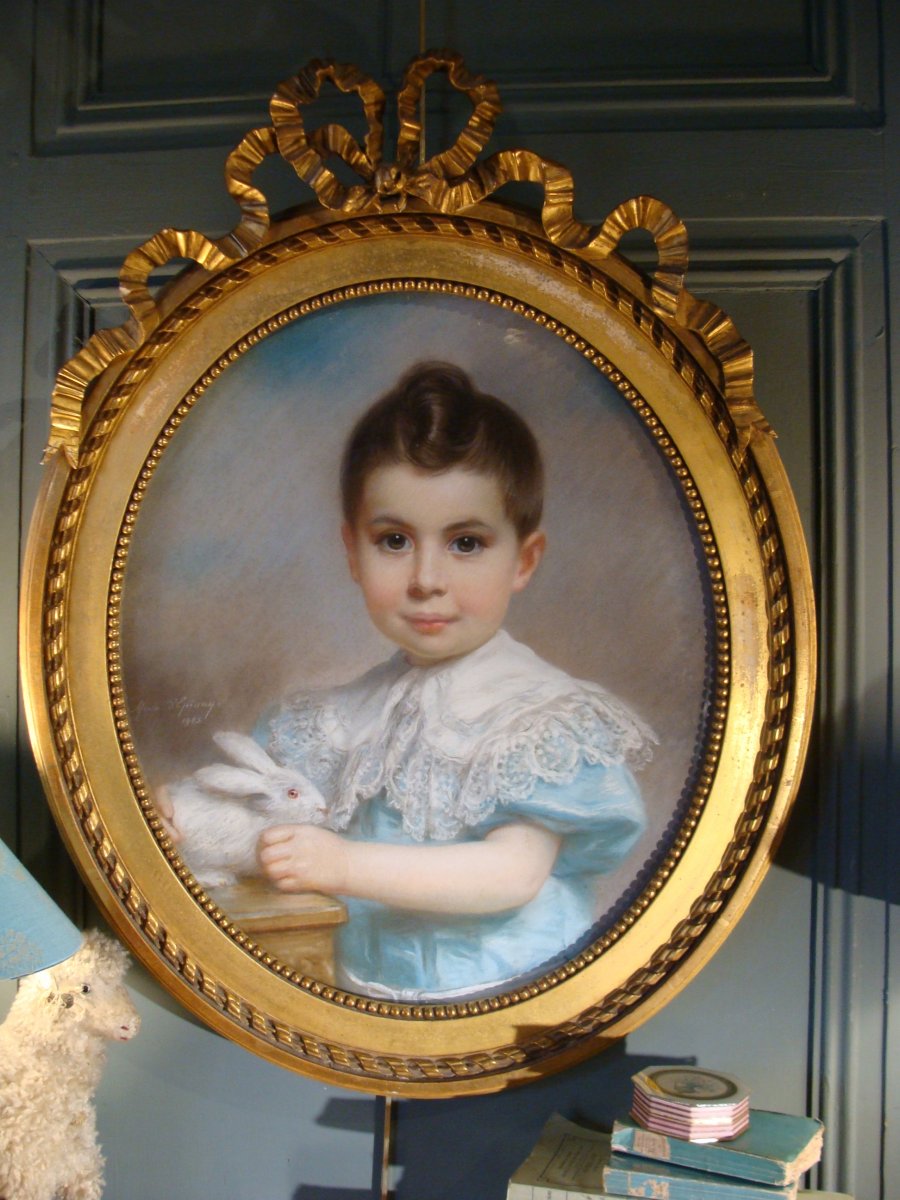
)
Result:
{"points": [[626, 1175], [776, 1148]]}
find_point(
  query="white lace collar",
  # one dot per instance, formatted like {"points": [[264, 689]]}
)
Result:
{"points": [[448, 743]]}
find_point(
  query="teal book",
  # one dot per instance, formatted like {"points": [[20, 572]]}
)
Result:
{"points": [[775, 1149], [627, 1175]]}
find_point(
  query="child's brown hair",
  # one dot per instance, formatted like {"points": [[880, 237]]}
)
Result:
{"points": [[434, 418]]}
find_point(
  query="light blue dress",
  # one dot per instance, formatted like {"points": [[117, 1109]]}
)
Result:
{"points": [[445, 754], [416, 956]]}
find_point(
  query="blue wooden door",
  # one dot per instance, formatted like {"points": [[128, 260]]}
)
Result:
{"points": [[772, 130]]}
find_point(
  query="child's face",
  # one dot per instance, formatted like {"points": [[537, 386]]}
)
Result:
{"points": [[437, 559]]}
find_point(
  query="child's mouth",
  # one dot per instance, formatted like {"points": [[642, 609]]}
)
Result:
{"points": [[428, 623]]}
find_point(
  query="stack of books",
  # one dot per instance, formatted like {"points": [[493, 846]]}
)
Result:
{"points": [[765, 1162]]}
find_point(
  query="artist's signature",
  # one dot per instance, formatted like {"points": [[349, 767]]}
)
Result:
{"points": [[186, 711]]}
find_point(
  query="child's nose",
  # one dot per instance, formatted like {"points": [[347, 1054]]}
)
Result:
{"points": [[427, 578]]}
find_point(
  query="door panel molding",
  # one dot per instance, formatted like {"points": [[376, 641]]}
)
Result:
{"points": [[835, 81]]}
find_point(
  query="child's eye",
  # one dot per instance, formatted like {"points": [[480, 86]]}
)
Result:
{"points": [[467, 543], [394, 541]]}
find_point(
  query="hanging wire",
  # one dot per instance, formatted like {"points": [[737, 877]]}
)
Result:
{"points": [[422, 46]]}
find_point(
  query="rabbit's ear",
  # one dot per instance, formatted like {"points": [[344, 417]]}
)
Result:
{"points": [[234, 781], [244, 750]]}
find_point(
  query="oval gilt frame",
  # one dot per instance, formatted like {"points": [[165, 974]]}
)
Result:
{"points": [[133, 415]]}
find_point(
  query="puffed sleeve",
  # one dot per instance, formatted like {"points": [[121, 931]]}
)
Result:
{"points": [[600, 816]]}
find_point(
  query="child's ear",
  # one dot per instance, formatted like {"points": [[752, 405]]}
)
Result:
{"points": [[349, 539], [531, 552]]}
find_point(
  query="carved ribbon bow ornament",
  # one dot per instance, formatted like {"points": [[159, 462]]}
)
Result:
{"points": [[449, 182]]}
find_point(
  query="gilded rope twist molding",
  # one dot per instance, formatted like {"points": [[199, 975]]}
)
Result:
{"points": [[449, 182], [343, 1059]]}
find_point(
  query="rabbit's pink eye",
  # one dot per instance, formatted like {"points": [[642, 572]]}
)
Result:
{"points": [[293, 793]]}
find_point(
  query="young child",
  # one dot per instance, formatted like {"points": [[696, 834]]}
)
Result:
{"points": [[476, 792]]}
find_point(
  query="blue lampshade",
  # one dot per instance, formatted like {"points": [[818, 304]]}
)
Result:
{"points": [[34, 932]]}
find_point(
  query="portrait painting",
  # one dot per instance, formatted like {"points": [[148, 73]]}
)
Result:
{"points": [[412, 651], [543, 763]]}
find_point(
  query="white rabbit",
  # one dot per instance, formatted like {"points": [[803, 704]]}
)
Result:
{"points": [[221, 810]]}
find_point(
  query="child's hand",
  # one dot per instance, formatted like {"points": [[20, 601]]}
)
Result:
{"points": [[304, 858]]}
